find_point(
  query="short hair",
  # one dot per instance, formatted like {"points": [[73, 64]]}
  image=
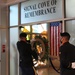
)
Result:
{"points": [[65, 34], [22, 35]]}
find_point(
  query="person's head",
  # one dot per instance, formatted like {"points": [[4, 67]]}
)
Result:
{"points": [[22, 36], [65, 36]]}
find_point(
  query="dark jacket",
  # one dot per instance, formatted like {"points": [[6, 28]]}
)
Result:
{"points": [[26, 54], [67, 56]]}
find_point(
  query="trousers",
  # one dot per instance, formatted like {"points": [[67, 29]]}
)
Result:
{"points": [[27, 70]]}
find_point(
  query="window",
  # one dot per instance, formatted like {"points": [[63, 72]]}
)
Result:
{"points": [[41, 28], [25, 29], [13, 51], [13, 15], [70, 27], [70, 8]]}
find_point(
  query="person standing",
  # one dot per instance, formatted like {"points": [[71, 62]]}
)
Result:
{"points": [[67, 55], [26, 55]]}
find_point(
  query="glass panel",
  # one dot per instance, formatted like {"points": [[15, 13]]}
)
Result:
{"points": [[40, 10], [13, 52], [13, 15], [70, 27], [25, 29], [41, 28], [70, 8]]}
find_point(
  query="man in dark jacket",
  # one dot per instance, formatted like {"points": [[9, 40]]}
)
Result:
{"points": [[26, 55], [67, 55]]}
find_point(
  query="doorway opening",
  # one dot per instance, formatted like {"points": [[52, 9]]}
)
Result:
{"points": [[37, 36]]}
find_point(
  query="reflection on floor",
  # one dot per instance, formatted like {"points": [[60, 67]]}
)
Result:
{"points": [[50, 70], [46, 71]]}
